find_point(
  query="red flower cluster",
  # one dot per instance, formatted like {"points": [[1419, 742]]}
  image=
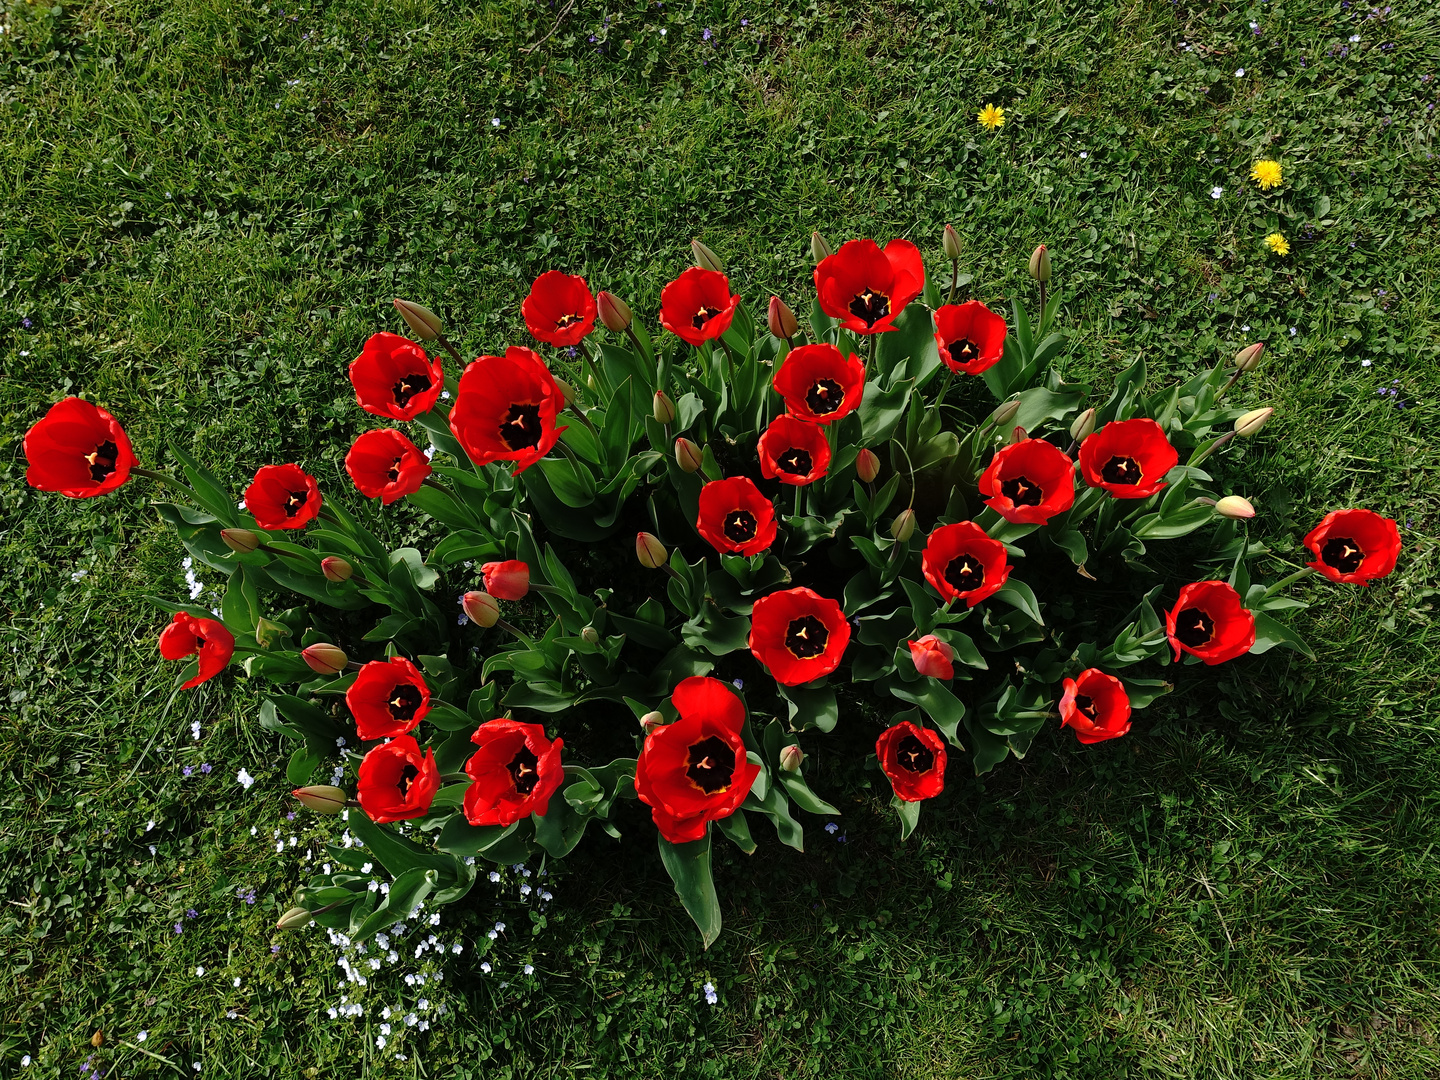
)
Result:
{"points": [[970, 336], [77, 449], [697, 306], [505, 409], [819, 384], [396, 782], [1128, 458], [559, 310], [735, 518], [283, 497], [388, 698], [798, 635], [964, 564], [793, 451], [187, 636], [1210, 622], [1029, 481], [513, 774], [1096, 706], [913, 759], [1354, 546], [385, 465], [394, 378], [867, 288]]}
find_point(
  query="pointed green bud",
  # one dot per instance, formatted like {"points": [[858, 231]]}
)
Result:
{"points": [[903, 527], [1006, 412], [819, 249], [1083, 426], [705, 258], [867, 465], [242, 541], [423, 322], [293, 919], [336, 569], [950, 241], [1040, 265], [663, 408], [1252, 422], [325, 659], [1248, 358], [614, 312], [322, 798], [1234, 507], [791, 758]]}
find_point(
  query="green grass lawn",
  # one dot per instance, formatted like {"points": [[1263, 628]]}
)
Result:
{"points": [[206, 207]]}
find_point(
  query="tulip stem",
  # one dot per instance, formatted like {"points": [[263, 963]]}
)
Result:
{"points": [[945, 386], [1233, 379], [513, 631], [638, 347], [1285, 581], [160, 476], [799, 499], [1203, 452], [539, 587], [445, 344], [671, 571], [575, 408], [594, 372], [431, 482], [729, 356], [1043, 299], [954, 279]]}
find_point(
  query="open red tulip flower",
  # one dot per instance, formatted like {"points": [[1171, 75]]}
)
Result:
{"points": [[798, 635], [970, 336], [694, 771], [559, 310], [866, 287], [1030, 481], [508, 580], [393, 377], [819, 384], [1096, 706], [505, 409], [397, 782], [793, 451], [385, 465], [1354, 546], [388, 698], [697, 306], [935, 659], [283, 497], [735, 518], [963, 563], [1128, 458], [513, 774], [1209, 621], [913, 758], [188, 635], [77, 449]]}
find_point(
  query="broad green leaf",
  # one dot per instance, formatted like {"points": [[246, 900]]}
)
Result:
{"points": [[689, 868]]}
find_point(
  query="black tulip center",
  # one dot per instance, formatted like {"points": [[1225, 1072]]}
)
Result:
{"points": [[394, 473], [102, 460], [1022, 491], [1343, 554], [912, 755], [404, 701], [870, 306], [408, 387], [1121, 470], [704, 315], [294, 501], [407, 774], [1087, 707], [824, 396], [521, 427], [963, 351], [1194, 628], [795, 461], [524, 769], [965, 573], [740, 526], [567, 320], [710, 765], [806, 637]]}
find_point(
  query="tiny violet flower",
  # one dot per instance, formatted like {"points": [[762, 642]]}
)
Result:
{"points": [[711, 997], [831, 828], [486, 968], [195, 730], [529, 969], [205, 767], [1354, 37], [495, 121], [1216, 191], [1239, 73], [1293, 331], [142, 1036], [245, 779]]}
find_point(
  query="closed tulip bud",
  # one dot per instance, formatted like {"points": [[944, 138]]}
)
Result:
{"points": [[687, 455], [933, 658], [950, 241], [591, 635], [1018, 435], [614, 312], [423, 322], [336, 569], [1040, 264], [293, 919], [1248, 358], [705, 258], [483, 609], [1083, 426], [1252, 422], [650, 721], [781, 319], [1002, 416], [867, 465], [325, 659], [1233, 506], [903, 527], [240, 540], [791, 758], [650, 551], [819, 249], [322, 798], [567, 390], [664, 408]]}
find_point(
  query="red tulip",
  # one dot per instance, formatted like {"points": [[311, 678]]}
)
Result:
{"points": [[694, 771], [913, 759], [1209, 621], [970, 337], [793, 451], [798, 635], [933, 658], [819, 384], [283, 497], [385, 465], [388, 698], [735, 518], [865, 287], [1096, 706], [397, 782], [559, 310], [963, 563], [77, 449], [1128, 458], [393, 377], [505, 409], [1029, 481], [187, 635], [508, 580], [697, 306], [1354, 546], [513, 774]]}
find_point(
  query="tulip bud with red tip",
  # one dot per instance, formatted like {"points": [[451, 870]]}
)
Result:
{"points": [[325, 659], [867, 465], [423, 322], [508, 580], [482, 608], [566, 391], [650, 551], [336, 569], [293, 919], [650, 721], [950, 241], [1248, 358], [781, 319], [1083, 426], [1235, 508], [614, 312], [590, 635], [687, 455], [705, 258], [1252, 422], [663, 408], [903, 527], [322, 798], [819, 248], [1040, 265], [1003, 414], [791, 758], [933, 658], [242, 541]]}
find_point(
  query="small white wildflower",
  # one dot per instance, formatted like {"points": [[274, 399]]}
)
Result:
{"points": [[245, 779], [142, 1036], [485, 967], [456, 948], [1216, 191], [435, 919], [495, 121], [150, 825], [334, 1015], [339, 740], [494, 875], [1083, 155], [384, 1029], [195, 730], [663, 31], [199, 971], [236, 983], [365, 869], [231, 1015], [1354, 37], [1239, 73], [380, 1041], [492, 935], [152, 849], [529, 969], [1293, 331], [25, 1062], [1364, 363]]}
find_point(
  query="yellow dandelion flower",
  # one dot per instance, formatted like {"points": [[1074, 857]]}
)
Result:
{"points": [[1278, 244], [992, 117], [1266, 174]]}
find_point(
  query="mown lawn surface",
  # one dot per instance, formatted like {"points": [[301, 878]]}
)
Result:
{"points": [[206, 207]]}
